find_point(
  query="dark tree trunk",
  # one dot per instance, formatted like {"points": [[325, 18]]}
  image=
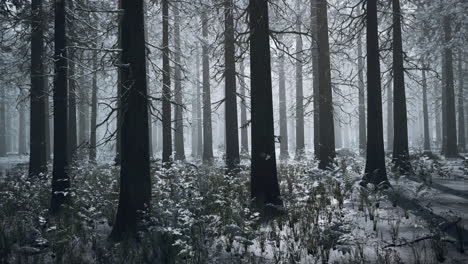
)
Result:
{"points": [[199, 111], [232, 134], [438, 117], [178, 109], [389, 114], [135, 181], [362, 107], [315, 75], [37, 158], [166, 90], [83, 115], [461, 108], [207, 128], [375, 171], [243, 108], [60, 178], [451, 122], [444, 105], [400, 121], [427, 141], [327, 133], [264, 181], [48, 124], [118, 140], [22, 149], [194, 121], [72, 89], [299, 90], [92, 137], [284, 151]]}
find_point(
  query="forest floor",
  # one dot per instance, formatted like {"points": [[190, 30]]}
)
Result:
{"points": [[200, 215]]}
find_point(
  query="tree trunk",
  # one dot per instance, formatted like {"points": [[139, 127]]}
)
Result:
{"points": [[451, 151], [438, 117], [284, 151], [375, 171], [135, 181], [94, 106], [400, 123], [37, 158], [461, 108], [299, 89], [444, 106], [232, 133], [178, 109], [207, 128], [243, 108], [427, 141], [166, 90], [327, 133], [118, 140], [199, 111], [389, 115], [315, 75], [22, 149], [264, 181], [3, 139], [362, 107], [72, 137], [83, 115], [194, 120], [60, 177], [48, 124]]}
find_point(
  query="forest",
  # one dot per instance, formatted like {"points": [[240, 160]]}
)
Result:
{"points": [[233, 131]]}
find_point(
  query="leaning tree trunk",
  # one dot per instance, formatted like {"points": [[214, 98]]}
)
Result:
{"points": [[461, 109], [284, 151], [327, 133], [264, 181], [299, 90], [362, 107], [375, 171], [207, 128], [427, 141], [94, 106], [400, 139], [178, 109], [37, 158], [60, 178], [451, 122], [315, 76], [243, 108], [166, 90], [232, 134], [135, 181]]}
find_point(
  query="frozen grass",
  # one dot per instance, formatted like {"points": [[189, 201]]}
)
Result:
{"points": [[201, 215]]}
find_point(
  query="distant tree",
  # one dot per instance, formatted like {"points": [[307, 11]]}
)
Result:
{"points": [[362, 106], [264, 181], [199, 111], [135, 181], [60, 177], [178, 108], [94, 106], [284, 150], [22, 149], [300, 147], [166, 90], [327, 134], [207, 127], [243, 108], [232, 132], [400, 120], [315, 75], [37, 158], [451, 122], [3, 139], [427, 142], [375, 171], [461, 108], [389, 114]]}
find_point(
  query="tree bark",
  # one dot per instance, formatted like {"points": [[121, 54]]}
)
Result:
{"points": [[299, 89], [232, 133], [166, 91], [264, 181], [327, 133], [375, 171], [94, 106], [315, 76], [451, 122], [207, 127], [178, 109], [390, 114], [284, 150], [427, 140], [135, 180], [461, 108], [60, 177], [243, 108], [37, 158], [119, 96], [72, 86], [400, 140]]}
